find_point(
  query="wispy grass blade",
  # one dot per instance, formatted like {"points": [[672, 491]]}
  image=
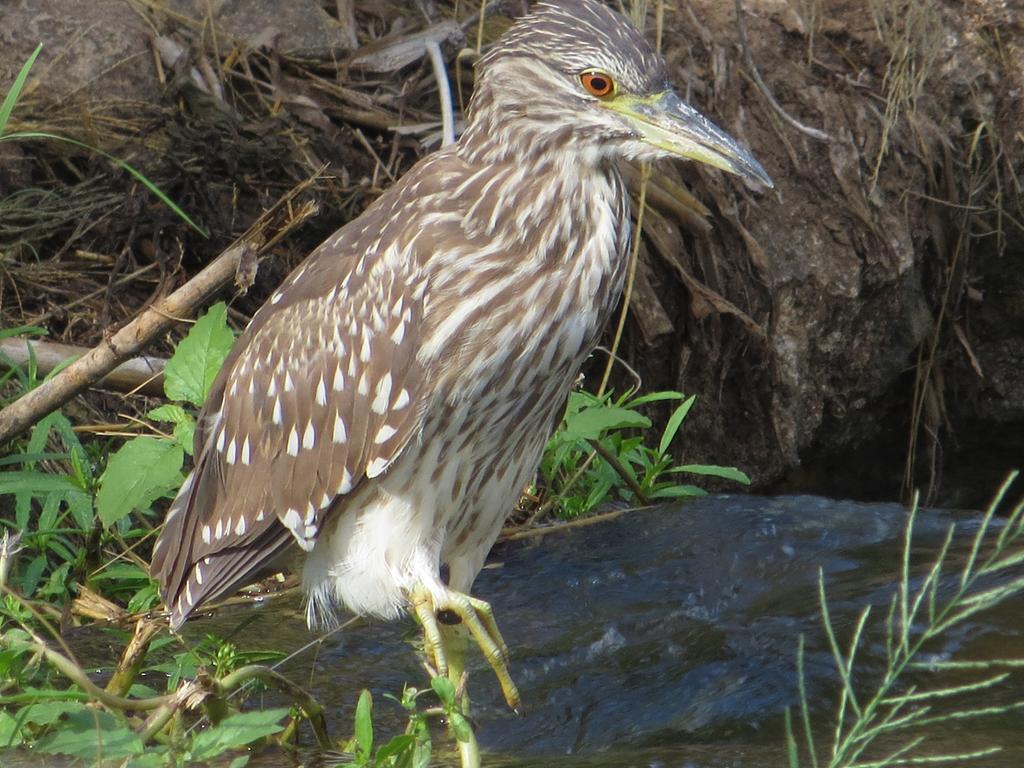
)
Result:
{"points": [[138, 175], [935, 666], [930, 588], [893, 758], [792, 749], [979, 537], [932, 760], [805, 710], [972, 714], [14, 92], [904, 585], [942, 693], [847, 697], [894, 724], [944, 598], [1015, 515]]}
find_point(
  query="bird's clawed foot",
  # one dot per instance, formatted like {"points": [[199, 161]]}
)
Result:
{"points": [[477, 617]]}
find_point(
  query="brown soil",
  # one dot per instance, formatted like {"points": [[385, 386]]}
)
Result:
{"points": [[822, 324]]}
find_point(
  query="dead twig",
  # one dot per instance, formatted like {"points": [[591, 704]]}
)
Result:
{"points": [[140, 374], [814, 133], [444, 92], [133, 337]]}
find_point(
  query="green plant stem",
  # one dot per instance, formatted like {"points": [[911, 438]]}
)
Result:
{"points": [[566, 487], [77, 675], [311, 708], [614, 463], [162, 714], [138, 175], [627, 295], [456, 644]]}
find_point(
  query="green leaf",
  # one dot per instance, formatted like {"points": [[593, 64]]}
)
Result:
{"points": [[591, 423], [48, 516], [35, 483], [56, 585], [29, 459], [236, 731], [364, 723], [421, 754], [15, 90], [33, 573], [598, 493], [189, 374], [91, 734], [399, 744], [677, 492], [712, 470], [153, 757], [142, 470], [185, 433], [49, 712], [460, 727], [10, 730], [184, 423], [655, 397], [169, 412], [444, 688], [674, 422], [21, 330], [79, 458], [40, 434], [120, 571], [81, 506]]}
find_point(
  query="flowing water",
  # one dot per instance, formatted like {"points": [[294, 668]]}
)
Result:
{"points": [[667, 638]]}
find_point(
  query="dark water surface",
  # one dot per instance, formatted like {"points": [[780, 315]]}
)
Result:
{"points": [[668, 637], [665, 638]]}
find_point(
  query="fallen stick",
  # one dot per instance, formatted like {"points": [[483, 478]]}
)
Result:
{"points": [[144, 375], [127, 342]]}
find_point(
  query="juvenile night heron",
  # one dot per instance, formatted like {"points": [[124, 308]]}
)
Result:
{"points": [[384, 409]]}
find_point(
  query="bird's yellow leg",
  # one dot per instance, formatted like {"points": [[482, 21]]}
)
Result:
{"points": [[478, 618], [433, 644]]}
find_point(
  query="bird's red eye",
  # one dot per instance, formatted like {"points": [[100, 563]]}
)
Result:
{"points": [[598, 84]]}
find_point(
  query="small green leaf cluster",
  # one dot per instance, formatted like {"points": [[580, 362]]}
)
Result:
{"points": [[77, 729], [70, 518], [69, 722], [73, 524], [599, 454], [53, 510], [145, 469], [413, 748]]}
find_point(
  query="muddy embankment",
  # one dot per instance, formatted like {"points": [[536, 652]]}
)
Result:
{"points": [[863, 317]]}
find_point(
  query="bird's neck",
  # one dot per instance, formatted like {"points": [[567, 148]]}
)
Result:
{"points": [[550, 207], [528, 133], [562, 191]]}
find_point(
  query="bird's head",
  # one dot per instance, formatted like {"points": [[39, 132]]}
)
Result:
{"points": [[576, 77]]}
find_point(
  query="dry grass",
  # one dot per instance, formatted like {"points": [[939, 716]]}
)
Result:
{"points": [[912, 34]]}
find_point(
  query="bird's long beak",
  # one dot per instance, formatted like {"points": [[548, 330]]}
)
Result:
{"points": [[669, 123]]}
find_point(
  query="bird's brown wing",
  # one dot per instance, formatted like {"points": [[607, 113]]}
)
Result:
{"points": [[322, 391]]}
